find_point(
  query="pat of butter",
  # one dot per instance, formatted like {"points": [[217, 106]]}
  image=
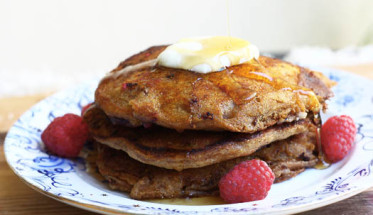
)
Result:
{"points": [[207, 54]]}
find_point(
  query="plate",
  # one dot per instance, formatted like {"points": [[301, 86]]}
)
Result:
{"points": [[68, 181]]}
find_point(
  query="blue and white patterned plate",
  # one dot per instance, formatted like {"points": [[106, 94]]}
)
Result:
{"points": [[66, 179]]}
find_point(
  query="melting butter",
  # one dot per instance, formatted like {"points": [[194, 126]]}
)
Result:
{"points": [[207, 54]]}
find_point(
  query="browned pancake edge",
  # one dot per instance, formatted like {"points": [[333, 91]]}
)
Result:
{"points": [[170, 149], [287, 158]]}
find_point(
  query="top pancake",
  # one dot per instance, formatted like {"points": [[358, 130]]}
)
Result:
{"points": [[243, 98]]}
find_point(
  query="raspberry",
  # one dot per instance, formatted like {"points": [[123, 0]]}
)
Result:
{"points": [[66, 135], [248, 181], [337, 136], [84, 108]]}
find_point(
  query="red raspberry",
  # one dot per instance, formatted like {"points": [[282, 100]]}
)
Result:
{"points": [[84, 108], [337, 136], [66, 135], [248, 181]]}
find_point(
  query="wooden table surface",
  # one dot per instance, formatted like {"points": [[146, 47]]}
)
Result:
{"points": [[17, 198]]}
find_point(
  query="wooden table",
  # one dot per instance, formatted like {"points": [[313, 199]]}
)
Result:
{"points": [[17, 198]]}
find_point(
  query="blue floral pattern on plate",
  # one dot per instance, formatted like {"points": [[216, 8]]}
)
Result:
{"points": [[66, 179]]}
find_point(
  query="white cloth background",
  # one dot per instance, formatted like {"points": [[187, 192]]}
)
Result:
{"points": [[50, 44]]}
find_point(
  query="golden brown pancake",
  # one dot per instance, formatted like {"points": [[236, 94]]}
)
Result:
{"points": [[170, 149], [287, 158], [243, 98], [166, 133]]}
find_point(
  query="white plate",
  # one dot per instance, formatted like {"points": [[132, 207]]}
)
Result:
{"points": [[66, 180]]}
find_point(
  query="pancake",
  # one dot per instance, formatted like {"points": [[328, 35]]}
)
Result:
{"points": [[251, 96], [169, 133], [287, 158], [170, 149]]}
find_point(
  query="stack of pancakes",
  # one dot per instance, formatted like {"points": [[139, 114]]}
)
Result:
{"points": [[166, 133]]}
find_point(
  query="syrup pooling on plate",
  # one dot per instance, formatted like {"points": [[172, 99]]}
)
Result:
{"points": [[208, 200], [208, 54]]}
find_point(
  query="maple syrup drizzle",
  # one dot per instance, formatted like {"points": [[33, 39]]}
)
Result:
{"points": [[239, 94], [228, 22], [227, 83], [254, 70], [323, 163]]}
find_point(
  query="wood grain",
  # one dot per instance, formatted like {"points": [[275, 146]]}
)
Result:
{"points": [[12, 108], [365, 70], [16, 198]]}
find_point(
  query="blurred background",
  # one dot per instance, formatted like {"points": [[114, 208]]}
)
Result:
{"points": [[46, 45]]}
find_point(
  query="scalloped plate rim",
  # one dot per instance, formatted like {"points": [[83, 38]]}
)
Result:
{"points": [[108, 209]]}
